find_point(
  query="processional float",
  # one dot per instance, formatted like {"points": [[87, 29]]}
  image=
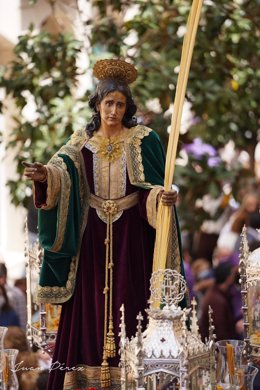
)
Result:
{"points": [[167, 354]]}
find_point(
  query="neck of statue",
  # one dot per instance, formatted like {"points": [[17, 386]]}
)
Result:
{"points": [[110, 131]]}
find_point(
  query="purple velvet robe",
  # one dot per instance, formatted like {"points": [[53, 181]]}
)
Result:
{"points": [[81, 331]]}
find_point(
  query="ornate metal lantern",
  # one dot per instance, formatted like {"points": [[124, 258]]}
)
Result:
{"points": [[42, 319], [250, 289], [167, 353]]}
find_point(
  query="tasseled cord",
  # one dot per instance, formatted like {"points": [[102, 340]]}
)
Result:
{"points": [[109, 348]]}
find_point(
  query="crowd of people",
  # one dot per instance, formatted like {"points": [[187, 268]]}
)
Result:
{"points": [[214, 279], [32, 367], [12, 302]]}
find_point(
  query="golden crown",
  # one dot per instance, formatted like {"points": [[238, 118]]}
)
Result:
{"points": [[115, 69]]}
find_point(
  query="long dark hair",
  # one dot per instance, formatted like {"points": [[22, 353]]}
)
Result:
{"points": [[6, 306], [103, 89]]}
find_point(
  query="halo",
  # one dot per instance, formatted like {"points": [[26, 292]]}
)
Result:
{"points": [[115, 69]]}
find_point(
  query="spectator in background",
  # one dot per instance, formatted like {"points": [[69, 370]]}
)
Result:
{"points": [[187, 267], [218, 298], [248, 215], [248, 208], [21, 284], [222, 255], [203, 279], [29, 363], [16, 297], [28, 380], [16, 338], [42, 380], [8, 316]]}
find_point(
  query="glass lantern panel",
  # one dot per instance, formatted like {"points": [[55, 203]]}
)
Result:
{"points": [[254, 313]]}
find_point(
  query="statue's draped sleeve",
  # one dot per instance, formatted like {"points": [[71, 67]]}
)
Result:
{"points": [[61, 221], [146, 167]]}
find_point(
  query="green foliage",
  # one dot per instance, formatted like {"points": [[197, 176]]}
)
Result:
{"points": [[224, 77], [42, 78], [229, 76]]}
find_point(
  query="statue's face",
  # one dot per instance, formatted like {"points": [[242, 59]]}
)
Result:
{"points": [[112, 109]]}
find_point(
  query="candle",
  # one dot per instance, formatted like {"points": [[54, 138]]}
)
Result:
{"points": [[230, 359], [5, 370], [241, 378]]}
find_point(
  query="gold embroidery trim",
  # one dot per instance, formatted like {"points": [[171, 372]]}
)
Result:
{"points": [[78, 139], [173, 260], [63, 207], [58, 188], [84, 376], [58, 294], [134, 154], [65, 186], [73, 153], [151, 205], [53, 188]]}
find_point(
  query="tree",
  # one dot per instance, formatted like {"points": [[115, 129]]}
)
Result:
{"points": [[43, 75]]}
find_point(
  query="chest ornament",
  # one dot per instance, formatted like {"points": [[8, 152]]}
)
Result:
{"points": [[110, 149]]}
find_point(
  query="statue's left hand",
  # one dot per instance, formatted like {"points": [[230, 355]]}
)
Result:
{"points": [[169, 198]]}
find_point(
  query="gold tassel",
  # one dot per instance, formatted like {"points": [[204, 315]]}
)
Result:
{"points": [[109, 348], [105, 375], [110, 341]]}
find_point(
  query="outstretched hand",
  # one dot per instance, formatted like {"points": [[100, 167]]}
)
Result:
{"points": [[35, 171], [169, 198]]}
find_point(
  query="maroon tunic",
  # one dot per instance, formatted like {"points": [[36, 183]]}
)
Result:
{"points": [[81, 331]]}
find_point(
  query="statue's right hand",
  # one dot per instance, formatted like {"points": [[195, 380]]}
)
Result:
{"points": [[35, 171]]}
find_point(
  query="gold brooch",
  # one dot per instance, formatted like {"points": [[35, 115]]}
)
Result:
{"points": [[110, 148], [109, 207], [115, 69]]}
